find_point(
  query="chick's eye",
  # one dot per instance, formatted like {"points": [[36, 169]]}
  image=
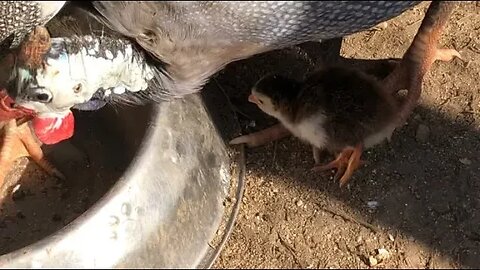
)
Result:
{"points": [[261, 101]]}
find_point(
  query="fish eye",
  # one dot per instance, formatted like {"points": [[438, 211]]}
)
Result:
{"points": [[77, 88]]}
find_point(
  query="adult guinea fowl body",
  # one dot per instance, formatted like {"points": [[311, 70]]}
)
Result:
{"points": [[194, 40], [152, 51], [189, 42]]}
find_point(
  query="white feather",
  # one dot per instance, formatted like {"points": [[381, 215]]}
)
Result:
{"points": [[119, 90], [310, 129], [61, 76]]}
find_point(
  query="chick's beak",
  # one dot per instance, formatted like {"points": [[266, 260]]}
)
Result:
{"points": [[252, 98]]}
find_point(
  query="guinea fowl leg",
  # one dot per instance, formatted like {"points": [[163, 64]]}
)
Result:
{"points": [[420, 56], [346, 163], [262, 137], [16, 142]]}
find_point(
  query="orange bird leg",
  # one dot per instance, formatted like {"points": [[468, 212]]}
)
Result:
{"points": [[16, 142], [262, 137], [346, 163], [420, 56]]}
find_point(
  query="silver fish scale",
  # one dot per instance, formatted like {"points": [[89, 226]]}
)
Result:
{"points": [[19, 18], [282, 23]]}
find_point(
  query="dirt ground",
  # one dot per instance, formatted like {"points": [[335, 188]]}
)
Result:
{"points": [[417, 198]]}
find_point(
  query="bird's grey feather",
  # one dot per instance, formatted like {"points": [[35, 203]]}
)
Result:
{"points": [[198, 38]]}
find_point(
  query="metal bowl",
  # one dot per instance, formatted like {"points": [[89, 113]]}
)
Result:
{"points": [[174, 205]]}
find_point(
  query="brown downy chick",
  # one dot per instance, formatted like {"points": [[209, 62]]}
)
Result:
{"points": [[338, 109]]}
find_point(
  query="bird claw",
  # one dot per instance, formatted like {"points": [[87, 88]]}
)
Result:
{"points": [[446, 55], [241, 139], [345, 164]]}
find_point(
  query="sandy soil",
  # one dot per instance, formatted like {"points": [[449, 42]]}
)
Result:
{"points": [[418, 198]]}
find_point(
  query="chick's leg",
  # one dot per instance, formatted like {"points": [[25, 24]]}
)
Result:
{"points": [[262, 137], [346, 163], [339, 163], [16, 142]]}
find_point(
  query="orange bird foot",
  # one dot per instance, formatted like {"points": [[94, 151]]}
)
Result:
{"points": [[18, 141], [346, 163]]}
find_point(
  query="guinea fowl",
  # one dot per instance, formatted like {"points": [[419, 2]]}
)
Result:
{"points": [[194, 40], [17, 20], [344, 110], [153, 51], [175, 47]]}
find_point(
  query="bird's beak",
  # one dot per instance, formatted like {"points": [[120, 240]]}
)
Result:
{"points": [[252, 98]]}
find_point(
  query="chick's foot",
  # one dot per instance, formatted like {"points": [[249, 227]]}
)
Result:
{"points": [[346, 163]]}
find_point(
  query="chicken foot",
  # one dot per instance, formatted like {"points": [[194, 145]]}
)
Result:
{"points": [[346, 163]]}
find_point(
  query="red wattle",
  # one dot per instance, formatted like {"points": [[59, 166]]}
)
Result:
{"points": [[54, 130]]}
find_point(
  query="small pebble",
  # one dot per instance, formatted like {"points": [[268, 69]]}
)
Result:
{"points": [[465, 161], [390, 237], [299, 203], [372, 204], [382, 25], [382, 255], [372, 261]]}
